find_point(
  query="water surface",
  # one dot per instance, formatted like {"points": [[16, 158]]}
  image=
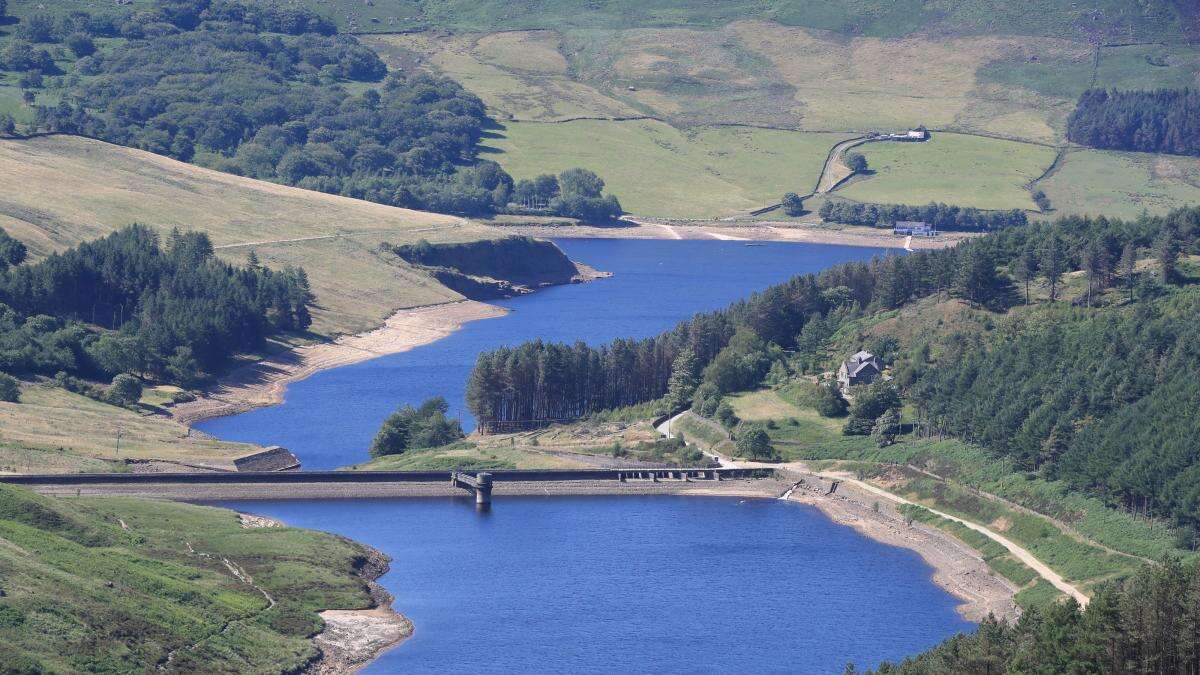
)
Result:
{"points": [[329, 419], [636, 584]]}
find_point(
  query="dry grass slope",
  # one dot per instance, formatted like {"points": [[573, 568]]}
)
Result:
{"points": [[58, 191], [53, 430]]}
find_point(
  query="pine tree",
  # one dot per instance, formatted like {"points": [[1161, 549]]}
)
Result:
{"points": [[1054, 264], [1166, 246], [1025, 269], [1095, 263], [977, 281], [886, 428], [685, 377], [1129, 268]]}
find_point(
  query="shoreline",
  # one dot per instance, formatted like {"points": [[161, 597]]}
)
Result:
{"points": [[264, 383], [956, 568], [351, 638], [749, 231]]}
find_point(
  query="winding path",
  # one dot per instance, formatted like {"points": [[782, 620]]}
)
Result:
{"points": [[1020, 552], [1017, 550]]}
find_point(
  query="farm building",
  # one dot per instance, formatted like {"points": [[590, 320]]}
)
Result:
{"points": [[862, 368], [916, 135], [913, 228]]}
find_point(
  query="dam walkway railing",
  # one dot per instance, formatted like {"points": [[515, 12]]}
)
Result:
{"points": [[317, 477]]}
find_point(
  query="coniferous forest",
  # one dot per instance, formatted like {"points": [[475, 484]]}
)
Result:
{"points": [[127, 303], [1146, 624], [1163, 120], [1100, 397]]}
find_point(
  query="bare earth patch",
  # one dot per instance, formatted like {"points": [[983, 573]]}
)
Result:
{"points": [[353, 637], [252, 522]]}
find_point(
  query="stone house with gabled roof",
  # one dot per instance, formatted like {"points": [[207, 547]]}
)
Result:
{"points": [[862, 368]]}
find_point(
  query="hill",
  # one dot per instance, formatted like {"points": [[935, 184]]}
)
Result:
{"points": [[128, 585], [61, 190], [595, 93], [1096, 19]]}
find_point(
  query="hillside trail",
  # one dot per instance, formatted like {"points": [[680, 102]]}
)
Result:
{"points": [[835, 170], [1020, 552], [321, 237]]}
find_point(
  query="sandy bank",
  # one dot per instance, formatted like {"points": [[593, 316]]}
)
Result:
{"points": [[263, 383], [352, 638], [748, 231], [957, 568]]}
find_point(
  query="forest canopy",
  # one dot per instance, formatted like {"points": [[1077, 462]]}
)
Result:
{"points": [[1163, 120], [941, 216], [128, 304], [275, 94], [1101, 396]]}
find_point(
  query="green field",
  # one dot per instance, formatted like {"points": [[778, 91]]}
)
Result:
{"points": [[1122, 184], [120, 585], [658, 170], [1111, 19], [986, 173], [1148, 67], [761, 73]]}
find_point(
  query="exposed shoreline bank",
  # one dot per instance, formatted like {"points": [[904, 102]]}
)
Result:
{"points": [[264, 383], [749, 231], [352, 638], [957, 568]]}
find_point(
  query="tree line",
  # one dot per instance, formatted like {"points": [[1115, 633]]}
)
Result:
{"points": [[1162, 120], [125, 303], [276, 94], [1098, 395], [941, 216], [1146, 624]]}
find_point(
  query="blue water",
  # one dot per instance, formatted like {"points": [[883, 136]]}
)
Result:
{"points": [[636, 584], [329, 419], [593, 584]]}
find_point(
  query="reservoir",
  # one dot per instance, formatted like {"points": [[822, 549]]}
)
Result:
{"points": [[329, 419], [636, 584], [604, 584]]}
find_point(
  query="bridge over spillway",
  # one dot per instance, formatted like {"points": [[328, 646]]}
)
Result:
{"points": [[200, 486]]}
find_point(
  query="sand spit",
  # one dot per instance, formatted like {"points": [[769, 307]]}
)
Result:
{"points": [[263, 383]]}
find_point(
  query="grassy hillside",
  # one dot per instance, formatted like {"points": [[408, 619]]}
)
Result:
{"points": [[52, 430], [977, 68], [658, 170], [1122, 184], [986, 173], [63, 190], [884, 18], [124, 585]]}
